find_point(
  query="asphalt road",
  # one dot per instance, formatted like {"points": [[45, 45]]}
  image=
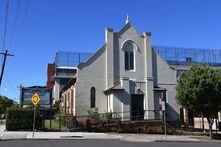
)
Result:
{"points": [[98, 143]]}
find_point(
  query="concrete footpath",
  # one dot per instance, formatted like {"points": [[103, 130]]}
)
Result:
{"points": [[11, 135]]}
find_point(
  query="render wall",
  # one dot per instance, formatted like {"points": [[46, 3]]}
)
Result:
{"points": [[142, 73], [105, 68], [137, 78], [129, 33], [117, 101], [91, 74], [165, 77]]}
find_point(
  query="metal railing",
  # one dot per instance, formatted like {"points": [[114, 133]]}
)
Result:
{"points": [[172, 55], [68, 122], [70, 59], [129, 115], [187, 56]]}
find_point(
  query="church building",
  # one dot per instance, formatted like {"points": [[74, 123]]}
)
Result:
{"points": [[125, 76]]}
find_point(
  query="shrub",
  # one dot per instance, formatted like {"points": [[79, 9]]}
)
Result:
{"points": [[130, 127], [99, 126], [56, 106], [65, 120], [22, 119], [172, 132], [88, 124], [94, 116], [47, 113], [113, 128], [74, 121], [81, 125], [108, 117]]}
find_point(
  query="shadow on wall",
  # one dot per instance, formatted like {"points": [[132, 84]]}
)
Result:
{"points": [[154, 66], [123, 97], [172, 114]]}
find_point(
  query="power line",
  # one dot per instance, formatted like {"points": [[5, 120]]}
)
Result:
{"points": [[23, 21], [16, 18], [5, 25]]}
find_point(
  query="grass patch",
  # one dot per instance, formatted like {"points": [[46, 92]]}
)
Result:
{"points": [[204, 133], [54, 124]]}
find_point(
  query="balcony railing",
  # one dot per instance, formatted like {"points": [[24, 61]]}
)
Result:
{"points": [[188, 56], [172, 55], [70, 59]]}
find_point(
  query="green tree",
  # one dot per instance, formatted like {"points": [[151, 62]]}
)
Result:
{"points": [[4, 104], [56, 106], [199, 90]]}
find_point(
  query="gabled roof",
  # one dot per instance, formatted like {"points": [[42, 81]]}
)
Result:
{"points": [[92, 58], [127, 26]]}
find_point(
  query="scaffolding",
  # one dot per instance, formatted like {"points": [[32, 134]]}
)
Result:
{"points": [[188, 56]]}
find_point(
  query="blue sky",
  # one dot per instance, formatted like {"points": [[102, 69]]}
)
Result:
{"points": [[78, 25]]}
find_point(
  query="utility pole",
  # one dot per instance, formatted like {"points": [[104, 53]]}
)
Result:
{"points": [[21, 95], [5, 54]]}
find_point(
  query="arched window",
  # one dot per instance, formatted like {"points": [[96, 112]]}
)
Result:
{"points": [[129, 55], [93, 97]]}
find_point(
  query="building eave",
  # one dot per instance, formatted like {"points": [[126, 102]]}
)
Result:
{"points": [[156, 88], [117, 86], [62, 77], [69, 84], [66, 67]]}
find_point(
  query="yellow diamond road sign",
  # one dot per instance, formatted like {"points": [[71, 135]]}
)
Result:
{"points": [[35, 99]]}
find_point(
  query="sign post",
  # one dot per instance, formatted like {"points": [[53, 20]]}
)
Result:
{"points": [[165, 121], [34, 122], [35, 100]]}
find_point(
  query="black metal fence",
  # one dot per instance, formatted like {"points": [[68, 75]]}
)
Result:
{"points": [[143, 121]]}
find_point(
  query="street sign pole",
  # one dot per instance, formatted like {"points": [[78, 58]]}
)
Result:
{"points": [[165, 124], [34, 122], [163, 106], [35, 100]]}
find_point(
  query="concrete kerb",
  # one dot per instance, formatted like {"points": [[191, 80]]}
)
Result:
{"points": [[99, 136], [12, 135], [179, 141], [55, 136], [64, 135], [150, 137]]}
